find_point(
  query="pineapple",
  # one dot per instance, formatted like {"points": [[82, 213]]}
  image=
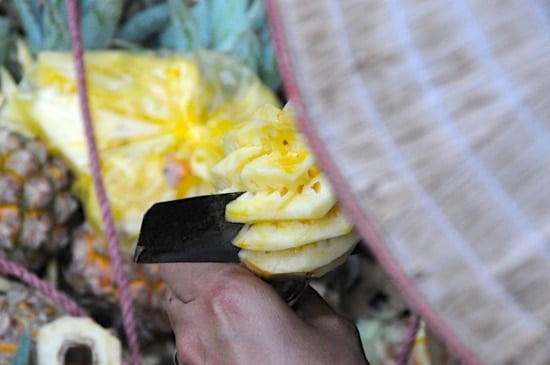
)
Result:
{"points": [[237, 28], [21, 309], [158, 132], [89, 273], [293, 223], [37, 209], [306, 233], [70, 340], [148, 124]]}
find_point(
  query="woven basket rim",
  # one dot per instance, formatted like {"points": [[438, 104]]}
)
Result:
{"points": [[440, 155]]}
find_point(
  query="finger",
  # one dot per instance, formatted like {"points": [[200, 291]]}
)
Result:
{"points": [[190, 350], [313, 309], [176, 311], [187, 329], [180, 278], [187, 280]]}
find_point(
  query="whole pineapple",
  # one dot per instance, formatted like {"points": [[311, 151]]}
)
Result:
{"points": [[37, 209], [21, 309], [89, 272]]}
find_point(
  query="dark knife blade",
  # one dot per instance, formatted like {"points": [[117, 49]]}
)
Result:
{"points": [[188, 230]]}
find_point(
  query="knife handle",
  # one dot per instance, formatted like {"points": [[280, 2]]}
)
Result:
{"points": [[290, 290]]}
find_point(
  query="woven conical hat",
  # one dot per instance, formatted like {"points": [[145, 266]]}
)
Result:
{"points": [[432, 119]]}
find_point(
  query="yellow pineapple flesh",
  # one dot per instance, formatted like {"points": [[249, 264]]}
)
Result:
{"points": [[294, 224], [159, 122]]}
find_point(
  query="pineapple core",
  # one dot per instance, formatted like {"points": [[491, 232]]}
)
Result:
{"points": [[293, 224]]}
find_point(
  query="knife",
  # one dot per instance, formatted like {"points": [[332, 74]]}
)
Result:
{"points": [[195, 230], [188, 230]]}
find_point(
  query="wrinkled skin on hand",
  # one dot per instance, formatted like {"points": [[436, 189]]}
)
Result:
{"points": [[223, 314]]}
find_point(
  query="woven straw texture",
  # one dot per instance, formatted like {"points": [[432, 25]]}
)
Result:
{"points": [[432, 119]]}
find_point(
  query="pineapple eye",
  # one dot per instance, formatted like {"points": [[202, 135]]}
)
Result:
{"points": [[316, 187]]}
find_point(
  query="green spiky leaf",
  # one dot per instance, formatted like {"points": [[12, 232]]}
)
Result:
{"points": [[56, 35], [31, 24], [201, 13], [145, 23], [99, 22], [229, 23], [22, 355], [268, 68], [248, 50], [256, 14], [4, 40], [184, 26]]}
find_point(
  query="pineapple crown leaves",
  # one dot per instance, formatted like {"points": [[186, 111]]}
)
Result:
{"points": [[4, 45], [22, 355], [46, 26], [4, 40], [237, 28], [145, 23]]}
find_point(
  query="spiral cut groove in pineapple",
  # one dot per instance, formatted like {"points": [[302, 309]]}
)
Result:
{"points": [[294, 225]]}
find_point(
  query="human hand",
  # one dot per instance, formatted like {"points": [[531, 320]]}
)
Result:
{"points": [[224, 314]]}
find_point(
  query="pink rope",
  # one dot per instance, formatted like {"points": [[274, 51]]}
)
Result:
{"points": [[410, 338], [128, 317], [63, 301]]}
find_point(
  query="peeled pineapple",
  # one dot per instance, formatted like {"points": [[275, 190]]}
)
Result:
{"points": [[159, 122], [294, 225]]}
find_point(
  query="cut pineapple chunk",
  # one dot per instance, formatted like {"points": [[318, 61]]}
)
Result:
{"points": [[294, 225], [222, 172], [277, 170], [310, 202], [280, 235], [311, 260]]}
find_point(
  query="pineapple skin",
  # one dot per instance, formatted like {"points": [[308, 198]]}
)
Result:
{"points": [[89, 272], [21, 307], [37, 209]]}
